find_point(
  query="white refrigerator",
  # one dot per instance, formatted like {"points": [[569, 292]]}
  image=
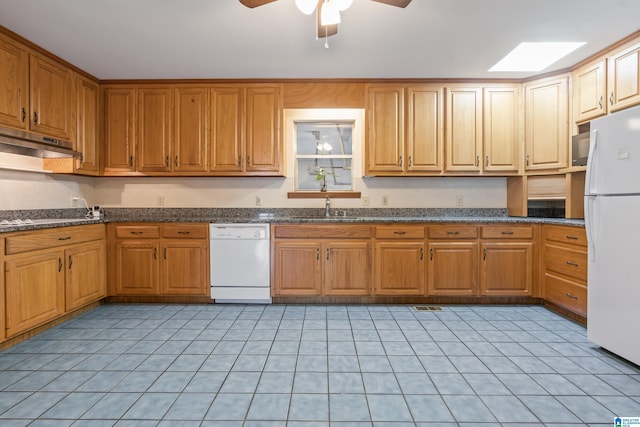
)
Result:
{"points": [[612, 220]]}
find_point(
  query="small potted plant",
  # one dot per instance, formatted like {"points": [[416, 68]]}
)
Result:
{"points": [[321, 175]]}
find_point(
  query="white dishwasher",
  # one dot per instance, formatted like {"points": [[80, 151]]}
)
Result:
{"points": [[240, 263]]}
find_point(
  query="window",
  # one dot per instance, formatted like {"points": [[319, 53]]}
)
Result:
{"points": [[324, 155]]}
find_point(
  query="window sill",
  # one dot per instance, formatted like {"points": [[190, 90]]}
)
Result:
{"points": [[323, 194]]}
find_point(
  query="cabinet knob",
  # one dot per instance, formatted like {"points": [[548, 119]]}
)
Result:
{"points": [[166, 161], [477, 160], [176, 161], [24, 114], [431, 254], [611, 98], [484, 254], [59, 265], [600, 102], [70, 262], [527, 160], [410, 161], [35, 117], [400, 162]]}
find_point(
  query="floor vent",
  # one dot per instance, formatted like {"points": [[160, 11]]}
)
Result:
{"points": [[427, 308]]}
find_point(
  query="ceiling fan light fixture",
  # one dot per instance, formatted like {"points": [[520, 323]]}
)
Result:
{"points": [[306, 6], [342, 5], [329, 14]]}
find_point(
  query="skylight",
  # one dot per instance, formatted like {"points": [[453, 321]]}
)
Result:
{"points": [[535, 56]]}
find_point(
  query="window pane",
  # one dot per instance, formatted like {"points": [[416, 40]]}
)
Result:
{"points": [[338, 173], [323, 138]]}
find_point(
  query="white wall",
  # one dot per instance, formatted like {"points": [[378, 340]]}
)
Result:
{"points": [[31, 190]]}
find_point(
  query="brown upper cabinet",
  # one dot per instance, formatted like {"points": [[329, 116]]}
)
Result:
{"points": [[187, 130], [546, 123], [404, 129], [14, 96], [87, 141], [463, 140], [624, 78], [590, 91], [37, 91]]}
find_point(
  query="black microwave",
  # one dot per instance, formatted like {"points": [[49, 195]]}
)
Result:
{"points": [[580, 149]]}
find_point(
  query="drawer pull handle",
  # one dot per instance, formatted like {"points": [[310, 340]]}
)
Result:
{"points": [[400, 232], [64, 238], [507, 232], [137, 233], [571, 296], [184, 232], [569, 236], [573, 264], [453, 232]]}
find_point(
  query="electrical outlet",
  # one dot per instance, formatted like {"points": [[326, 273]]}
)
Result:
{"points": [[75, 201], [258, 201], [459, 200], [385, 201], [365, 200]]}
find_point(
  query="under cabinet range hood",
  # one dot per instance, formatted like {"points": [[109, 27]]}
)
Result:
{"points": [[34, 145]]}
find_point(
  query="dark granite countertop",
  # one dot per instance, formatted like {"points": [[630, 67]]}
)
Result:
{"points": [[51, 218]]}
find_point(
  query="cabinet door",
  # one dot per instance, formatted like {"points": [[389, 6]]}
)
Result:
{"points": [[624, 78], [385, 130], [50, 100], [347, 268], [453, 268], [184, 267], [34, 290], [399, 268], [14, 92], [506, 269], [154, 130], [86, 275], [87, 126], [137, 268], [546, 124], [119, 130], [227, 134], [463, 141], [191, 106], [424, 128], [501, 141], [263, 132], [590, 91], [298, 269]]}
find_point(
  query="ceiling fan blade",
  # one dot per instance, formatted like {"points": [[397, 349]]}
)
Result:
{"points": [[255, 3], [323, 31], [397, 3]]}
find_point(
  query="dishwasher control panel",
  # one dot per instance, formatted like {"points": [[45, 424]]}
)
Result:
{"points": [[253, 232]]}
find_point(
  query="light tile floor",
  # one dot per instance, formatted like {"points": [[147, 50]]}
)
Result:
{"points": [[314, 366]]}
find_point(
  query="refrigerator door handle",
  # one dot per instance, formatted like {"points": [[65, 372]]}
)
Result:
{"points": [[591, 162], [590, 224]]}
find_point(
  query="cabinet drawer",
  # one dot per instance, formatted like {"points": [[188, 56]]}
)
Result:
{"points": [[52, 238], [569, 235], [506, 232], [137, 231], [572, 263], [453, 232], [322, 231], [565, 293], [185, 231], [399, 232]]}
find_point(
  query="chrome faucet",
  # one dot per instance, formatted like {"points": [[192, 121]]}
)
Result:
{"points": [[327, 207]]}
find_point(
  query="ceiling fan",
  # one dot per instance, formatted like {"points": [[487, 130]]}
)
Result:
{"points": [[328, 11]]}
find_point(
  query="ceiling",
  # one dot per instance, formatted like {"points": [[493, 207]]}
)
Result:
{"points": [[154, 39]]}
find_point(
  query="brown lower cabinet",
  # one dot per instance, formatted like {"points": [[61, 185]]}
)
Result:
{"points": [[408, 260], [565, 268], [48, 273], [158, 259], [315, 260]]}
